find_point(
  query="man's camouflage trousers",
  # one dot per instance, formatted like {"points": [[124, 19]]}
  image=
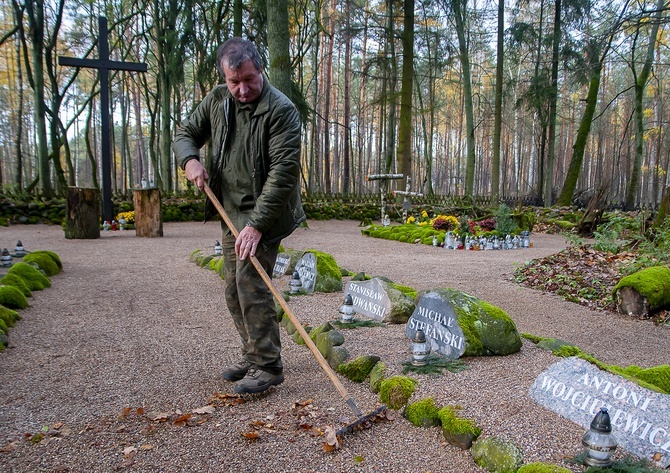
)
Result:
{"points": [[252, 305]]}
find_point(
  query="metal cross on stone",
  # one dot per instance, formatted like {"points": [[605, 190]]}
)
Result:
{"points": [[104, 65]]}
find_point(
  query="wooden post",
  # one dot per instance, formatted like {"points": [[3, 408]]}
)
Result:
{"points": [[82, 209], [148, 221]]}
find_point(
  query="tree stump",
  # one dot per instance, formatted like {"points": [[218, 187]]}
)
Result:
{"points": [[632, 303], [82, 213], [148, 221]]}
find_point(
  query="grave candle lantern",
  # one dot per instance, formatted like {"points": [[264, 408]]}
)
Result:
{"points": [[420, 349], [122, 223], [515, 242], [105, 225], [435, 242], [525, 238], [218, 250], [347, 310], [19, 250], [599, 442], [144, 183], [295, 284], [6, 258], [449, 241]]}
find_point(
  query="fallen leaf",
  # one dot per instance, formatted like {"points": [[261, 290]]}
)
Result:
{"points": [[181, 420], [9, 447], [157, 416], [146, 446], [125, 413], [204, 410], [331, 442], [57, 425], [657, 456], [140, 411], [302, 403], [253, 435], [128, 451]]}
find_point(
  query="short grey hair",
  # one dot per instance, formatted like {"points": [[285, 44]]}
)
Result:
{"points": [[234, 52]]}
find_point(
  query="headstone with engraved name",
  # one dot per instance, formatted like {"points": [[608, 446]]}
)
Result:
{"points": [[436, 317], [281, 264], [577, 389], [370, 298], [306, 268]]}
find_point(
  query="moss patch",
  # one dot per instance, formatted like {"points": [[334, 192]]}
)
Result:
{"points": [[9, 316], [17, 282], [358, 369], [396, 391], [423, 413], [44, 261], [12, 297], [34, 279], [456, 425], [541, 467], [437, 365], [329, 277], [653, 283]]}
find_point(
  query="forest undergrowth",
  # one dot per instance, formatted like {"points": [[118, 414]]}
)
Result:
{"points": [[588, 269]]}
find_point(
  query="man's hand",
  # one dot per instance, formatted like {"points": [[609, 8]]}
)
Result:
{"points": [[247, 242], [196, 173]]}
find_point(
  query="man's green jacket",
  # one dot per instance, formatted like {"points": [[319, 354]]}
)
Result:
{"points": [[274, 146]]}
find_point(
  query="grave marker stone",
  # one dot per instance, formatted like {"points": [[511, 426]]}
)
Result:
{"points": [[435, 316], [577, 389], [306, 268], [369, 298], [281, 264]]}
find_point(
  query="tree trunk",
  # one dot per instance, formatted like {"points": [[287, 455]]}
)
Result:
{"points": [[553, 109], [82, 213], [497, 113], [405, 128], [148, 221]]}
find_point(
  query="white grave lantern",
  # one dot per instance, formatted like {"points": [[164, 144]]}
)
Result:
{"points": [[420, 349], [19, 250], [218, 249], [515, 242], [525, 239], [347, 310], [599, 442], [6, 258], [144, 183], [449, 241], [435, 241], [295, 284], [122, 223]]}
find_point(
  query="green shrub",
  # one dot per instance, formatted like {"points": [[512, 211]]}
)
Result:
{"points": [[396, 391]]}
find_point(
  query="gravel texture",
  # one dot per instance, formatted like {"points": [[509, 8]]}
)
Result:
{"points": [[107, 364]]}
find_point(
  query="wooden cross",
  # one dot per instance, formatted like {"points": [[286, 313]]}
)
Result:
{"points": [[406, 204], [104, 65]]}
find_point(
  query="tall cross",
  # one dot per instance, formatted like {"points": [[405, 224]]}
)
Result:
{"points": [[104, 65]]}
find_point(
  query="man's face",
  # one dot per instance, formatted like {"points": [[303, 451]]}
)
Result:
{"points": [[245, 83]]}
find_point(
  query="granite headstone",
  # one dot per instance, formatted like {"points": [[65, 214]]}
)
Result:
{"points": [[435, 316], [306, 268], [577, 389], [281, 264], [370, 298]]}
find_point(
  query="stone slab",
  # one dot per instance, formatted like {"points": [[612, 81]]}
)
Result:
{"points": [[370, 298], [281, 264], [435, 316], [577, 389], [306, 268]]}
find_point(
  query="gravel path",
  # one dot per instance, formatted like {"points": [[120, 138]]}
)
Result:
{"points": [[132, 331]]}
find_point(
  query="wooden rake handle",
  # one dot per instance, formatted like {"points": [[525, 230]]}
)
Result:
{"points": [[301, 330]]}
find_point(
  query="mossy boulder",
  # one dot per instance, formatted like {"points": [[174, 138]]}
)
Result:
{"points": [[456, 430], [44, 261], [328, 274], [497, 455], [12, 297], [34, 279], [9, 316], [337, 356], [51, 254], [377, 375], [541, 467], [487, 329], [650, 285], [358, 369], [423, 413], [17, 282], [396, 391], [325, 341]]}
